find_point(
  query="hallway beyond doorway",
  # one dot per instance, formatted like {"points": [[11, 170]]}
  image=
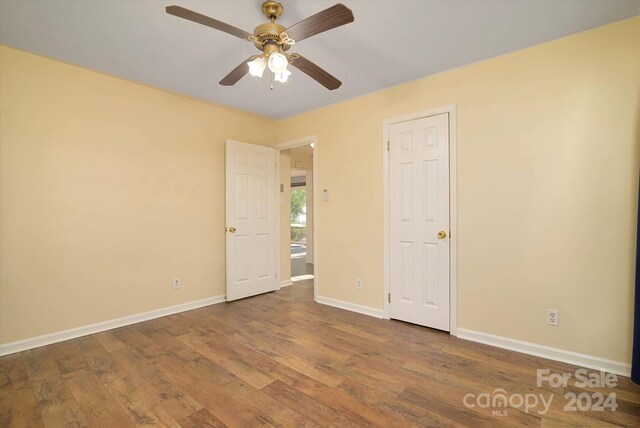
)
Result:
{"points": [[300, 269]]}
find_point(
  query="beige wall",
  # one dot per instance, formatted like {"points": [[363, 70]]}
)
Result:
{"points": [[285, 216], [108, 190], [301, 160], [548, 156]]}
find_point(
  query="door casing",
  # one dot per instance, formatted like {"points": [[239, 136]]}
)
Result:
{"points": [[453, 208]]}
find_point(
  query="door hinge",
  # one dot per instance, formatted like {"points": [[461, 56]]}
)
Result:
{"points": [[389, 297], [388, 145]]}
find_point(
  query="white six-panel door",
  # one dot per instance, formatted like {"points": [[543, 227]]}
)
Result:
{"points": [[251, 220], [419, 211]]}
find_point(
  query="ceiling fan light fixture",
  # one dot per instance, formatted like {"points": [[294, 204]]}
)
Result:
{"points": [[283, 76], [274, 40], [257, 66], [278, 62]]}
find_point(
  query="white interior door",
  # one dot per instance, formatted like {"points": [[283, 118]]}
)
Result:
{"points": [[251, 191], [419, 221]]}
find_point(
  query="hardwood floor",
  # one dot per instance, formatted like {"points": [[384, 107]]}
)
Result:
{"points": [[280, 359]]}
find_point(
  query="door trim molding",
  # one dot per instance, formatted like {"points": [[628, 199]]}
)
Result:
{"points": [[453, 208], [292, 144]]}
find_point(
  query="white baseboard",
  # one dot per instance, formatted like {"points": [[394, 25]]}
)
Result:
{"points": [[365, 310], [570, 357], [285, 283], [61, 336]]}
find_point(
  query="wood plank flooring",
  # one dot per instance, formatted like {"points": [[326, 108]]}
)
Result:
{"points": [[280, 359]]}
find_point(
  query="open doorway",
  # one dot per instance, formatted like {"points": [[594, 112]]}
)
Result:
{"points": [[301, 227], [296, 215]]}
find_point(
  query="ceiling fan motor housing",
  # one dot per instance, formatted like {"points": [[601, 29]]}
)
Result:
{"points": [[269, 33]]}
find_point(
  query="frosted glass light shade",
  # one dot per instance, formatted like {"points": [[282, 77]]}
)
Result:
{"points": [[277, 62], [283, 76], [257, 66]]}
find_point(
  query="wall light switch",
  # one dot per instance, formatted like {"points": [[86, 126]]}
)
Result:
{"points": [[325, 195]]}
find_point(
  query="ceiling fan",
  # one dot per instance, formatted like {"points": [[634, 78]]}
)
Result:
{"points": [[274, 41]]}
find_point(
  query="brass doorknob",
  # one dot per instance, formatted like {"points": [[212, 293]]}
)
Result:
{"points": [[442, 234], [232, 229]]}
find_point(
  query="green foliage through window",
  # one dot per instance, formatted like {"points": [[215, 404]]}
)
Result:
{"points": [[298, 205]]}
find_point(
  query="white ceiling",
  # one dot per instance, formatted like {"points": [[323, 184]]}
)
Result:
{"points": [[390, 42]]}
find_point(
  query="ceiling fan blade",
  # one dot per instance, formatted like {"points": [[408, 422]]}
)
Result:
{"points": [[333, 17], [237, 73], [316, 73], [181, 12]]}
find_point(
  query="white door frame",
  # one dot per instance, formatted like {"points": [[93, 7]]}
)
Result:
{"points": [[304, 141], [453, 208]]}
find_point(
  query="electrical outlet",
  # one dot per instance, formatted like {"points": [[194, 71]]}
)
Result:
{"points": [[176, 282], [553, 317], [359, 284]]}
